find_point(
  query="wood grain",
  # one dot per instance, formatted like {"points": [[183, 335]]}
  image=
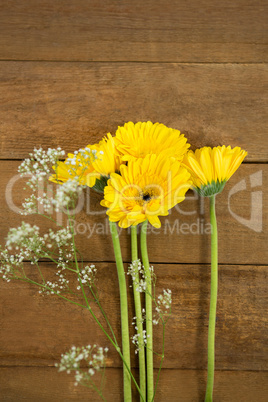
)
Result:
{"points": [[71, 71], [185, 234], [36, 329], [45, 384], [73, 104], [162, 30]]}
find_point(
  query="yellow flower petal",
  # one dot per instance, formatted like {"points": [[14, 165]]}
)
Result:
{"points": [[154, 221]]}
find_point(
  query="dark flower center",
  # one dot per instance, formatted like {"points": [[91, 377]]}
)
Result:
{"points": [[146, 197]]}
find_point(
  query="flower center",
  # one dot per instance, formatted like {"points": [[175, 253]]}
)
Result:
{"points": [[146, 197], [150, 193]]}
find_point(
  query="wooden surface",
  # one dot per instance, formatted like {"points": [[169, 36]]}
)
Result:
{"points": [[185, 231], [71, 71], [109, 30], [241, 325], [73, 104], [175, 385]]}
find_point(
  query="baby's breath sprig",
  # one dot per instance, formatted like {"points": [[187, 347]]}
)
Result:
{"points": [[25, 238], [39, 164], [79, 162], [25, 243], [163, 307], [85, 361], [87, 276], [139, 339], [59, 286], [37, 168], [137, 272], [11, 266], [67, 195]]}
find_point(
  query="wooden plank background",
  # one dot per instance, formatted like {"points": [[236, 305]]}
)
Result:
{"points": [[71, 71], [162, 30], [72, 104]]}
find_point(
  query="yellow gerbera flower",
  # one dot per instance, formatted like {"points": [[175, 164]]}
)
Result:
{"points": [[90, 166], [147, 187], [210, 168], [141, 139]]}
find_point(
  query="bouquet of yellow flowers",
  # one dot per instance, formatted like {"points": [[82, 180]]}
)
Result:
{"points": [[143, 172]]}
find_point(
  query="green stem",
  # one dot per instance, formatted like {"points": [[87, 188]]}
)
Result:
{"points": [[56, 262], [162, 358], [103, 313], [134, 243], [124, 310], [40, 272], [49, 217], [93, 385], [213, 301], [138, 313], [149, 313]]}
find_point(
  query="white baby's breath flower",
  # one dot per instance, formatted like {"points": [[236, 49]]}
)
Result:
{"points": [[67, 194], [37, 168], [163, 306], [87, 275], [139, 340], [92, 357], [137, 272]]}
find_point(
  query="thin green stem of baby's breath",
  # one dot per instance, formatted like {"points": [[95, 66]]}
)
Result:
{"points": [[95, 296], [103, 313], [23, 271], [50, 218], [73, 241], [47, 255], [138, 312], [162, 358], [40, 272], [213, 301], [81, 258], [51, 290], [103, 378], [149, 313], [94, 386]]}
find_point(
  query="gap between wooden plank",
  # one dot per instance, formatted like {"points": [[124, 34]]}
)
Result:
{"points": [[135, 62]]}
